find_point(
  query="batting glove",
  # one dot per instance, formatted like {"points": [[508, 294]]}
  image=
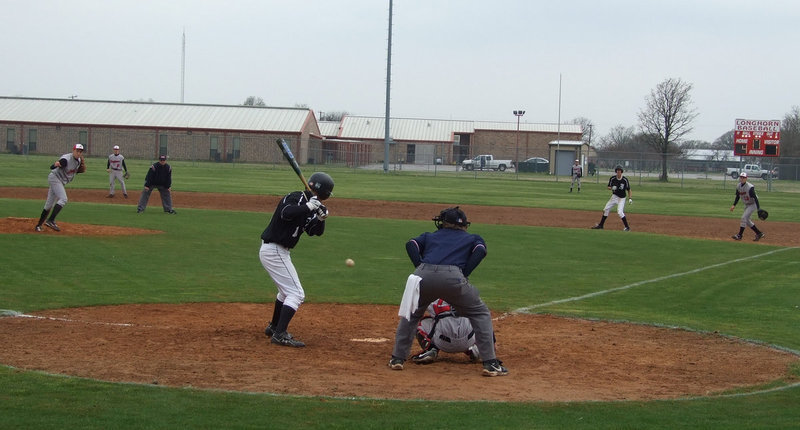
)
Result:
{"points": [[313, 204], [322, 213]]}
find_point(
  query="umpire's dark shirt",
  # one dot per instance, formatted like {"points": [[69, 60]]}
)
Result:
{"points": [[158, 175]]}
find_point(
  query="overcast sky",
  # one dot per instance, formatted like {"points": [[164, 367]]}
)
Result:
{"points": [[451, 59]]}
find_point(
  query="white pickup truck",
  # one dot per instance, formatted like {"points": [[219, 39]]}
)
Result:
{"points": [[752, 170], [486, 162]]}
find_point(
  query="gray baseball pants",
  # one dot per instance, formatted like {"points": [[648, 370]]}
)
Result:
{"points": [[448, 283]]}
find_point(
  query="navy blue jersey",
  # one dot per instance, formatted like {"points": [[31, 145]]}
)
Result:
{"points": [[291, 218], [448, 246], [619, 186]]}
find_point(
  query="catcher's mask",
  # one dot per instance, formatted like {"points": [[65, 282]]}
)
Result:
{"points": [[321, 184], [453, 216]]}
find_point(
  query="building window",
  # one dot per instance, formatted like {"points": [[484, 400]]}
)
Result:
{"points": [[11, 140], [33, 136], [83, 138], [236, 143], [213, 152], [162, 144]]}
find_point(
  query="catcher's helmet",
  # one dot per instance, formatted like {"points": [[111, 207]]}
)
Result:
{"points": [[321, 184], [618, 168], [452, 215], [439, 306]]}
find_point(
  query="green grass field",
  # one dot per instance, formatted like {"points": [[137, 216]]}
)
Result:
{"points": [[211, 256]]}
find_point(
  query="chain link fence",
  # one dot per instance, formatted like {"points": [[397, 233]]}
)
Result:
{"points": [[405, 157]]}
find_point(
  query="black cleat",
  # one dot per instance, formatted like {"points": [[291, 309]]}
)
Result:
{"points": [[285, 339]]}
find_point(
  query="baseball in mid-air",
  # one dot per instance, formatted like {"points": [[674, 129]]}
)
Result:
{"points": [[349, 262]]}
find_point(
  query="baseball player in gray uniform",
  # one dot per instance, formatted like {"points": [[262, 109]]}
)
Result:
{"points": [[117, 170], [618, 185], [62, 172], [442, 329], [577, 173], [747, 193], [297, 212]]}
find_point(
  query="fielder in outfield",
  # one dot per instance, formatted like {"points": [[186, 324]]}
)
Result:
{"points": [[62, 172], [747, 193], [296, 213], [577, 174]]}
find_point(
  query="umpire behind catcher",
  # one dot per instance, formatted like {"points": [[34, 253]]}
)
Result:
{"points": [[443, 260]]}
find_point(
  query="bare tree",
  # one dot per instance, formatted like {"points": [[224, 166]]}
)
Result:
{"points": [[587, 127], [254, 101], [790, 133], [667, 117], [333, 116], [618, 138]]}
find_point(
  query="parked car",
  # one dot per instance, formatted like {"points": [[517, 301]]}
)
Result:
{"points": [[534, 164]]}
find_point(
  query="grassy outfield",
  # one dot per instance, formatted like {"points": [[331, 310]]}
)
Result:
{"points": [[738, 289], [690, 197]]}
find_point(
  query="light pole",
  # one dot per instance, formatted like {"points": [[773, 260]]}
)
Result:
{"points": [[518, 114]]}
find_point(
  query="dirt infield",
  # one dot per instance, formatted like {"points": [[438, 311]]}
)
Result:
{"points": [[222, 346]]}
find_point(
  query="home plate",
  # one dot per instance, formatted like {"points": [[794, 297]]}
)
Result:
{"points": [[371, 340]]}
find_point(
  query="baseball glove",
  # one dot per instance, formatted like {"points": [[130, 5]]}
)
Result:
{"points": [[762, 214], [126, 175], [82, 167]]}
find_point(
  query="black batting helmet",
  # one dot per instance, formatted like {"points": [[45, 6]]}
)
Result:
{"points": [[453, 216], [321, 184]]}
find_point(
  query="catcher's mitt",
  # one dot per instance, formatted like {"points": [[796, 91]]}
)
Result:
{"points": [[82, 167], [126, 175], [762, 214]]}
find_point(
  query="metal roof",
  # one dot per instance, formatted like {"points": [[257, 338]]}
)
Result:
{"points": [[433, 130], [329, 128], [567, 142], [153, 115], [524, 126]]}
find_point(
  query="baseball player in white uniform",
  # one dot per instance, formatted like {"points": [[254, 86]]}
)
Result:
{"points": [[577, 173], [619, 186], [297, 212], [62, 172], [117, 170]]}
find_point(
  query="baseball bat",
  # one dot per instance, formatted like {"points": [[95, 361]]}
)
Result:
{"points": [[287, 153]]}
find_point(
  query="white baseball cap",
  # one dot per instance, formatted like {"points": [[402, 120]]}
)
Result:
{"points": [[116, 146], [743, 175], [78, 146]]}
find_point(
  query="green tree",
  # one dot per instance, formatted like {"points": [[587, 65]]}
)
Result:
{"points": [[667, 117]]}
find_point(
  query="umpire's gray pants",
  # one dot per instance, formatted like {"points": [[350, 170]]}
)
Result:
{"points": [[448, 283], [166, 198]]}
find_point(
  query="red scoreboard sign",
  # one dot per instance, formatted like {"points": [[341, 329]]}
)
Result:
{"points": [[755, 137]]}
